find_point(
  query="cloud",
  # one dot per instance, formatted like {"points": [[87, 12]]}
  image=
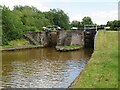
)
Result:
{"points": [[104, 16], [99, 17], [36, 3], [76, 17], [80, 0]]}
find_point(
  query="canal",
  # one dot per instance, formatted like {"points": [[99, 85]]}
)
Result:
{"points": [[42, 68]]}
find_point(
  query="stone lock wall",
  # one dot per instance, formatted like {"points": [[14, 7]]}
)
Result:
{"points": [[60, 38], [37, 38], [74, 37], [77, 38]]}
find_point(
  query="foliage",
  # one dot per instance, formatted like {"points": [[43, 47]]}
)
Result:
{"points": [[58, 17], [23, 19], [114, 25], [76, 23], [80, 25], [87, 21], [0, 25]]}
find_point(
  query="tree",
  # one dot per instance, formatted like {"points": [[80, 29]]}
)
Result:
{"points": [[32, 18], [114, 25], [87, 21], [0, 25], [22, 19], [76, 23], [9, 24], [58, 17]]}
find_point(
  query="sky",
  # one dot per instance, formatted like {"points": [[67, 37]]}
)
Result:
{"points": [[100, 11]]}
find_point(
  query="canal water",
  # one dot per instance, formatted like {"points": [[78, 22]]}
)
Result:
{"points": [[42, 68]]}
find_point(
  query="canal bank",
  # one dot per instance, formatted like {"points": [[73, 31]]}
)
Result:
{"points": [[19, 44], [102, 69], [20, 48]]}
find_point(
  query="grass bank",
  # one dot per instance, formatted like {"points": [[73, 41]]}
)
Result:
{"points": [[18, 44], [72, 46], [68, 48], [102, 69]]}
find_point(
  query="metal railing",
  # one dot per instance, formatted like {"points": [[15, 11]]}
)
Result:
{"points": [[90, 27]]}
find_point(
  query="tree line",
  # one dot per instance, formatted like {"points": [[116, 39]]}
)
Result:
{"points": [[23, 19], [114, 25]]}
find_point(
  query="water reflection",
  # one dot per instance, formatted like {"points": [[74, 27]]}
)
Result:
{"points": [[42, 68]]}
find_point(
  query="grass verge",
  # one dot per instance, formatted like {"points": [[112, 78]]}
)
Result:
{"points": [[102, 69], [72, 46], [17, 44]]}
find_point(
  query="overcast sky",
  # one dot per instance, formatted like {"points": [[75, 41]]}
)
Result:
{"points": [[100, 11]]}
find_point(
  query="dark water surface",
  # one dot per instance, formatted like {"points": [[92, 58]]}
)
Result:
{"points": [[42, 68]]}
